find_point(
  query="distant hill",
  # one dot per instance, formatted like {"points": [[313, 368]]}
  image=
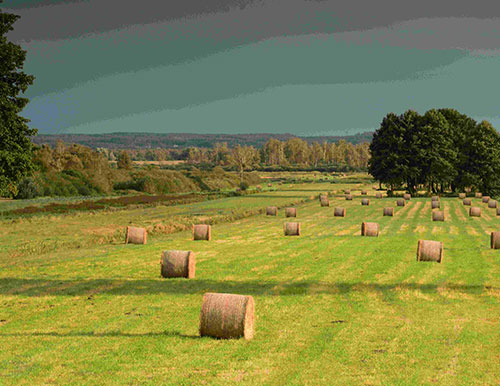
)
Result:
{"points": [[154, 140]]}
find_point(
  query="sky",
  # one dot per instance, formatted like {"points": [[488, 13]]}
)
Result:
{"points": [[306, 67]]}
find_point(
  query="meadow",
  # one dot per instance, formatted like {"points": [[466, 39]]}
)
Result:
{"points": [[78, 306]]}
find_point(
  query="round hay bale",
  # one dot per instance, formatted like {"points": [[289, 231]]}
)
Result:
{"points": [[364, 192], [467, 201], [498, 211], [475, 211], [429, 250], [259, 187], [407, 196], [347, 191], [479, 195], [435, 198], [438, 215], [325, 201], [389, 211], [374, 187], [269, 185], [369, 229], [378, 195], [202, 232], [178, 264], [435, 204], [492, 203], [486, 199], [227, 316], [365, 201], [348, 197], [339, 212], [400, 202], [290, 212], [462, 195], [495, 240], [136, 235], [292, 228], [271, 211]]}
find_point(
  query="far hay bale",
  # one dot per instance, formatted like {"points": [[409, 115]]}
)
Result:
{"points": [[136, 235], [271, 211], [462, 195], [324, 201], [259, 188], [492, 203], [374, 187], [389, 211], [495, 240], [339, 212], [178, 264], [364, 192], [435, 204], [347, 191], [429, 250], [407, 196], [475, 211], [348, 197], [438, 215], [292, 228], [369, 229], [202, 232], [434, 198], [365, 201], [486, 199], [467, 201], [378, 195], [269, 185], [479, 195], [290, 212], [400, 202], [498, 211], [227, 316]]}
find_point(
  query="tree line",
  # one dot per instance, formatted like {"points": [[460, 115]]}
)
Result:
{"points": [[442, 150]]}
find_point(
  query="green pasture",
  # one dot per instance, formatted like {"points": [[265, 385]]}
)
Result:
{"points": [[332, 307]]}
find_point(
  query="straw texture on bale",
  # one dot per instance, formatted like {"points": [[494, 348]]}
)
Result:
{"points": [[435, 204], [467, 201], [461, 195], [178, 264], [492, 203], [339, 212], [495, 240], [475, 211], [136, 235], [364, 192], [407, 196], [202, 232], [498, 210], [365, 201], [369, 229], [324, 201], [227, 316], [271, 211], [479, 195], [348, 197], [290, 212], [388, 211], [435, 198], [486, 199], [292, 228], [378, 195], [401, 202], [429, 250], [347, 191], [438, 215]]}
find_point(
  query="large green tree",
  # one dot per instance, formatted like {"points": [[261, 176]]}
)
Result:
{"points": [[16, 151]]}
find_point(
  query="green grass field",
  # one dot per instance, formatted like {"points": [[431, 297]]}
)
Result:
{"points": [[331, 307]]}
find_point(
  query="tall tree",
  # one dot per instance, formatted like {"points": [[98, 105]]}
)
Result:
{"points": [[244, 157], [16, 150]]}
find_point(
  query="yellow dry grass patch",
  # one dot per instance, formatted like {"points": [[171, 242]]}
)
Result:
{"points": [[414, 209], [425, 210], [472, 231], [437, 229], [407, 293], [403, 228], [420, 229], [348, 231], [453, 230], [459, 211]]}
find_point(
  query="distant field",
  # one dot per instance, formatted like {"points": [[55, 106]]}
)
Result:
{"points": [[332, 307]]}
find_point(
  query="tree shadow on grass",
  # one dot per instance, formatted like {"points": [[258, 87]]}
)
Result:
{"points": [[92, 334], [52, 287]]}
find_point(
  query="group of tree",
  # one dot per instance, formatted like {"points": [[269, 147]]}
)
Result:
{"points": [[442, 150]]}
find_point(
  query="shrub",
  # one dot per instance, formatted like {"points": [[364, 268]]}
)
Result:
{"points": [[27, 189]]}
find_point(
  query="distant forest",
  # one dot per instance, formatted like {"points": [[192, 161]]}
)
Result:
{"points": [[139, 141]]}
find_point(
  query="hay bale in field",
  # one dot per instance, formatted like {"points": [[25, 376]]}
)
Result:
{"points": [[374, 187], [407, 196], [486, 199], [292, 228], [178, 264], [479, 195], [369, 229], [339, 212], [364, 192], [429, 250], [435, 198], [271, 211], [347, 191], [475, 211], [467, 201], [227, 316], [136, 235], [365, 201], [389, 211], [492, 204], [435, 204], [462, 195], [290, 212], [498, 211], [495, 240], [269, 185], [400, 202], [438, 215], [324, 201], [378, 195], [202, 232], [348, 197]]}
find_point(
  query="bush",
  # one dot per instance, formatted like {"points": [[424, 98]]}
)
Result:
{"points": [[27, 189], [244, 185]]}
